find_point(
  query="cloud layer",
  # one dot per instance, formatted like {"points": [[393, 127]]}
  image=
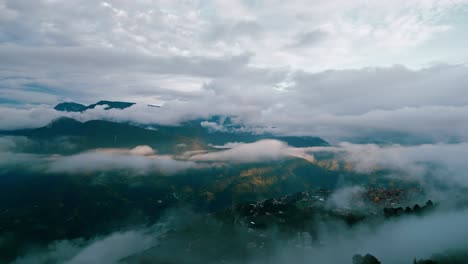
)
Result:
{"points": [[429, 103], [138, 161], [262, 150], [407, 237], [299, 68], [432, 165]]}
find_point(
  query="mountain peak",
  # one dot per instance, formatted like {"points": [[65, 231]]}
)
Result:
{"points": [[63, 122], [76, 107], [111, 104], [70, 107]]}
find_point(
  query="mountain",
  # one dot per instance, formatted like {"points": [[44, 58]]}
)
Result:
{"points": [[391, 137], [197, 129], [234, 133], [167, 139], [75, 107], [96, 134], [70, 107], [62, 125], [111, 105]]}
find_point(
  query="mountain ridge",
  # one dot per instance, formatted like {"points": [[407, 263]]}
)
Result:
{"points": [[103, 133], [76, 107]]}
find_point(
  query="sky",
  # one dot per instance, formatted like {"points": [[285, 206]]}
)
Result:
{"points": [[333, 68]]}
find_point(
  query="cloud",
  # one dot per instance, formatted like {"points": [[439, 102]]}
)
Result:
{"points": [[139, 160], [13, 143], [181, 28], [432, 165], [349, 197], [308, 39], [262, 150], [197, 61], [10, 161], [337, 105], [106, 249], [212, 126], [238, 31], [142, 150], [114, 247], [407, 237], [26, 117]]}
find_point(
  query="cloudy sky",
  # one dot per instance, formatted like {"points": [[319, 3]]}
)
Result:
{"points": [[328, 68]]}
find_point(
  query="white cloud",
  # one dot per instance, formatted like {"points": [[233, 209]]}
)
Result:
{"points": [[143, 150], [212, 126], [430, 103], [26, 117], [107, 161], [407, 237], [108, 249], [139, 160], [429, 164], [263, 150], [347, 198], [114, 247]]}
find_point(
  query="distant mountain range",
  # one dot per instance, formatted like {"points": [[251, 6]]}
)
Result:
{"points": [[380, 137], [190, 135], [76, 107], [167, 139], [96, 134]]}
